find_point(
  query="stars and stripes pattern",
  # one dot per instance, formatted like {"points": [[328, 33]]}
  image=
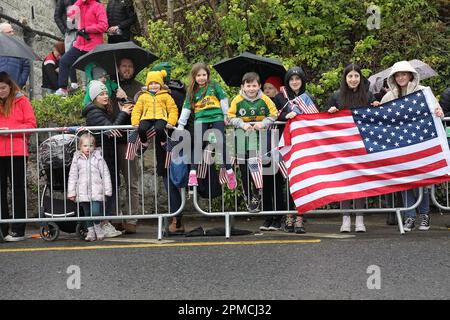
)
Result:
{"points": [[134, 143], [255, 168], [365, 151], [206, 161], [304, 107]]}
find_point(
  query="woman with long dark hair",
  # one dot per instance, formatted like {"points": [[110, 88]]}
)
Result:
{"points": [[16, 112], [353, 92]]}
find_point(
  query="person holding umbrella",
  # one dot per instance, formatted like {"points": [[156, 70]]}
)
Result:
{"points": [[16, 112], [18, 68], [403, 80], [93, 24]]}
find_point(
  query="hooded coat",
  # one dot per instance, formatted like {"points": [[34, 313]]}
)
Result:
{"points": [[155, 107], [89, 178], [280, 100], [94, 20], [110, 85], [21, 117], [413, 85]]}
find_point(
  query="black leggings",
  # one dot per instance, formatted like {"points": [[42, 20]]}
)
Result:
{"points": [[16, 174], [220, 126], [145, 125]]}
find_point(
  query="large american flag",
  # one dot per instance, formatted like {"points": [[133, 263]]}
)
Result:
{"points": [[365, 151]]}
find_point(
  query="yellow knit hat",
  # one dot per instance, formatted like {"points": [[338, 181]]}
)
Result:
{"points": [[156, 76]]}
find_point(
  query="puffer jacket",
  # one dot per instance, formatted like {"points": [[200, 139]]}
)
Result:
{"points": [[89, 178], [158, 107], [97, 116], [413, 85], [121, 13], [94, 20], [21, 117]]}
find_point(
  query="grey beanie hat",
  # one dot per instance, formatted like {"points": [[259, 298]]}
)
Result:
{"points": [[95, 88], [98, 72]]}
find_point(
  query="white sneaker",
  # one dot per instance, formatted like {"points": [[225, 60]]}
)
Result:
{"points": [[99, 232], [346, 224], [91, 235], [13, 237], [61, 92], [110, 231], [74, 86], [359, 224]]}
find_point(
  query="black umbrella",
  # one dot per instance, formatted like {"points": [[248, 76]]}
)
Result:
{"points": [[231, 70], [11, 47], [107, 56]]}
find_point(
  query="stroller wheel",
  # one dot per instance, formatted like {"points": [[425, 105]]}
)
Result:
{"points": [[81, 231], [50, 231]]}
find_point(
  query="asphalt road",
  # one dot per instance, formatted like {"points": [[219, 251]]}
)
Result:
{"points": [[275, 265]]}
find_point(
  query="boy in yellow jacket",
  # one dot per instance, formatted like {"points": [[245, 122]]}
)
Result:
{"points": [[154, 108]]}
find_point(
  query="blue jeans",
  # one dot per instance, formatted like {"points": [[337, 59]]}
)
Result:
{"points": [[409, 199], [96, 211], [65, 66]]}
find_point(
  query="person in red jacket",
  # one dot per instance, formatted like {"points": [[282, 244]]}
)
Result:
{"points": [[93, 23], [16, 112]]}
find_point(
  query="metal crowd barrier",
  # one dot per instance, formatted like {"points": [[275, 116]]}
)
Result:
{"points": [[150, 200], [229, 213], [443, 186], [45, 184]]}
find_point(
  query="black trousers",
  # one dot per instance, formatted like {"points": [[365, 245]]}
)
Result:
{"points": [[15, 175], [220, 126], [145, 125]]}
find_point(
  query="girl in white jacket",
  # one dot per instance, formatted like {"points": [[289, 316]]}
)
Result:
{"points": [[89, 183]]}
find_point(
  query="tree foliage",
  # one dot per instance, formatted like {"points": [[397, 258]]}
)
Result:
{"points": [[319, 35]]}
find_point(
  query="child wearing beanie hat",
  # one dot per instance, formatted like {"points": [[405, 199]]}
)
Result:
{"points": [[96, 72], [272, 86], [154, 108]]}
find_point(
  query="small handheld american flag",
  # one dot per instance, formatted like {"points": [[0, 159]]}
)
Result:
{"points": [[255, 168], [134, 143]]}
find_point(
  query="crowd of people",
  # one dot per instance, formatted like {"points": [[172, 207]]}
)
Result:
{"points": [[163, 104]]}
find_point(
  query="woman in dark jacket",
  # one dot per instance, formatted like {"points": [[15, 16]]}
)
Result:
{"points": [[99, 113], [288, 107], [354, 92]]}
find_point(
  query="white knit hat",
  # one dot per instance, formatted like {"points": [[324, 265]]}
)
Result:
{"points": [[95, 88]]}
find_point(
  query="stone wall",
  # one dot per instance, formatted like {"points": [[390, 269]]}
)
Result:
{"points": [[38, 15]]}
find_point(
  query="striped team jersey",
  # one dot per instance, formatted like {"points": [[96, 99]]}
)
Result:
{"points": [[207, 104]]}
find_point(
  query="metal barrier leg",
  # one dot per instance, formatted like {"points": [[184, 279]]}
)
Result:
{"points": [[160, 224], [227, 226], [400, 222]]}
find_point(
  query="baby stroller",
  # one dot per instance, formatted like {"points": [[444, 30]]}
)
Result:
{"points": [[55, 157]]}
